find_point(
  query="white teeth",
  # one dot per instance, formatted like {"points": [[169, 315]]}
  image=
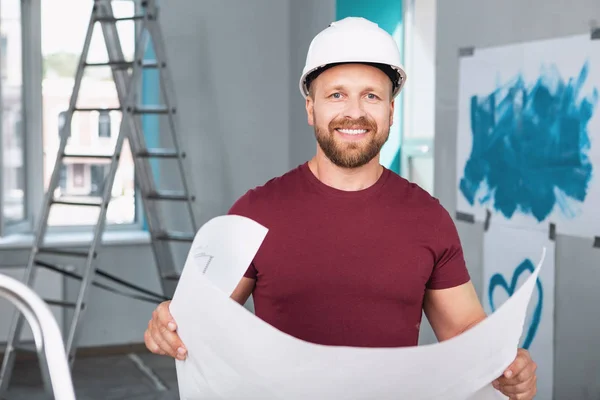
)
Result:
{"points": [[353, 131]]}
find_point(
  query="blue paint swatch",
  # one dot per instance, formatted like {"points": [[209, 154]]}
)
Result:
{"points": [[530, 145], [497, 280]]}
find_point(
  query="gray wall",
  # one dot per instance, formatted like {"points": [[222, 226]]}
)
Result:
{"points": [[463, 23], [236, 65], [231, 67], [307, 18]]}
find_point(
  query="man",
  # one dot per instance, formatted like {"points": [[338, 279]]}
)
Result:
{"points": [[354, 252]]}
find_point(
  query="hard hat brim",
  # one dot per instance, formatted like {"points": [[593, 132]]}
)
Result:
{"points": [[307, 76]]}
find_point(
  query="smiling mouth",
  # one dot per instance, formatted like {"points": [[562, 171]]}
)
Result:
{"points": [[352, 131]]}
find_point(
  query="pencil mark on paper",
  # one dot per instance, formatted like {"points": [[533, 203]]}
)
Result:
{"points": [[203, 260]]}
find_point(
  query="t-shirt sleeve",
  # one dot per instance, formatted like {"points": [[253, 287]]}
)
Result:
{"points": [[450, 268], [242, 208]]}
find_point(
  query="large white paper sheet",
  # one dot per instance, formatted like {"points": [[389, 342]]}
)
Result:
{"points": [[232, 354]]}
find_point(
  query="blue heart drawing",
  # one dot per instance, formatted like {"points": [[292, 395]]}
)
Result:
{"points": [[498, 280]]}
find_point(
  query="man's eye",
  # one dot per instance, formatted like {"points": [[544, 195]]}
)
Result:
{"points": [[372, 96], [336, 95]]}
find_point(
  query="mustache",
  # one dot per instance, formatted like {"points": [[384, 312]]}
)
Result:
{"points": [[360, 123]]}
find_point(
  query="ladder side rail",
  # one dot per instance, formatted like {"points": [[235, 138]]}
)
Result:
{"points": [[88, 270], [126, 88], [168, 89]]}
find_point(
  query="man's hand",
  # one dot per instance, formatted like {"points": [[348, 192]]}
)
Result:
{"points": [[161, 337], [519, 380]]}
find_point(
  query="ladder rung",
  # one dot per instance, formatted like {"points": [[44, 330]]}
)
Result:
{"points": [[168, 195], [84, 155], [158, 153], [151, 110], [151, 64], [114, 19], [99, 109], [124, 64], [119, 64], [59, 252], [175, 236], [171, 277], [60, 303], [74, 202]]}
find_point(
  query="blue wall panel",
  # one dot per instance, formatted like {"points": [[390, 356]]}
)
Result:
{"points": [[388, 15], [150, 95]]}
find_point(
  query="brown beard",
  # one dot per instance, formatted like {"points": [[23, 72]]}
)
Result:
{"points": [[352, 155]]}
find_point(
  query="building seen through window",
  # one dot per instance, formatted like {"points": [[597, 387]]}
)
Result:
{"points": [[91, 132]]}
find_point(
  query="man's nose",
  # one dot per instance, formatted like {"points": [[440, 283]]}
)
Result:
{"points": [[354, 109]]}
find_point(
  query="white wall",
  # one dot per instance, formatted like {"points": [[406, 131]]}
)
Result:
{"points": [[419, 58], [466, 23]]}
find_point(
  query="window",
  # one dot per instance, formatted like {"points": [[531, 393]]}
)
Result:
{"points": [[39, 53], [97, 174], [62, 181], [12, 156], [417, 163], [62, 117], [78, 173], [61, 49], [104, 124]]}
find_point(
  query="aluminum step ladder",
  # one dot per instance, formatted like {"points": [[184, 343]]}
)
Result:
{"points": [[126, 75]]}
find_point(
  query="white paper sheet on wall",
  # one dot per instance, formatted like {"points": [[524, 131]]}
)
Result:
{"points": [[232, 354]]}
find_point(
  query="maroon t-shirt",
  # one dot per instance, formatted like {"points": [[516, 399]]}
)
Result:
{"points": [[349, 267]]}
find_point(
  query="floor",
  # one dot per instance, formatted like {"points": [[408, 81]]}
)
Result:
{"points": [[132, 376]]}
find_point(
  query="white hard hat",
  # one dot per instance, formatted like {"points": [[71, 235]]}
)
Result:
{"points": [[354, 39]]}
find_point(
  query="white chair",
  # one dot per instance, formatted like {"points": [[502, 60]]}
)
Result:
{"points": [[47, 336]]}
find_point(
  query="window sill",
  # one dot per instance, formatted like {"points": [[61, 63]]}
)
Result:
{"points": [[73, 239]]}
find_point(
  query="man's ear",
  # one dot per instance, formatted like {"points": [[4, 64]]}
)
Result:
{"points": [[310, 105], [392, 104]]}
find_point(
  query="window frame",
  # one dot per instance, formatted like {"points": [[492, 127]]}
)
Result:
{"points": [[31, 28], [29, 120], [412, 146]]}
